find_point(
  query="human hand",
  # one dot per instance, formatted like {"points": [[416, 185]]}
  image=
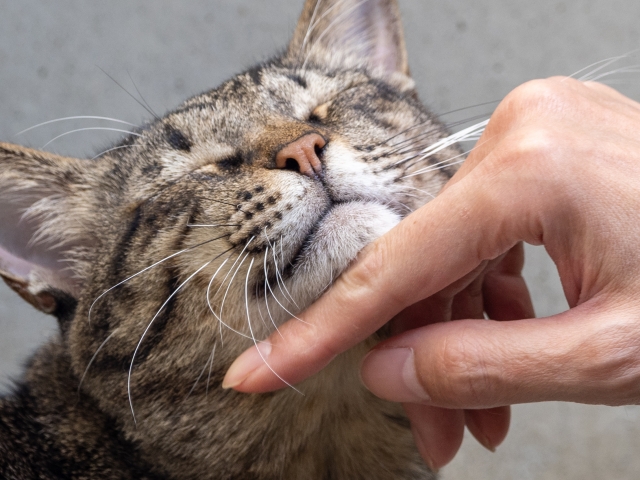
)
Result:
{"points": [[559, 165]]}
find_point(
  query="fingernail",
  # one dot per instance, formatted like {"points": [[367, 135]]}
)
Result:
{"points": [[246, 364], [390, 373], [423, 451], [478, 433]]}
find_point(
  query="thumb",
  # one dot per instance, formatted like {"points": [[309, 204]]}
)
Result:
{"points": [[587, 355]]}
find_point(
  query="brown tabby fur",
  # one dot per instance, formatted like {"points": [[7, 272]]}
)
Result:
{"points": [[345, 77]]}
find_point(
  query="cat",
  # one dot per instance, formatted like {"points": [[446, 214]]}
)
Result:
{"points": [[195, 237]]}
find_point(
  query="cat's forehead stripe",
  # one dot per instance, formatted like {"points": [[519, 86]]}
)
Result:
{"points": [[176, 139]]}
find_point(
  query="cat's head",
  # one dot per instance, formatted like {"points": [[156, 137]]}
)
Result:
{"points": [[227, 215]]}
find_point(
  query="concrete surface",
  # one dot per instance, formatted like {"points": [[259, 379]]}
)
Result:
{"points": [[462, 53]]}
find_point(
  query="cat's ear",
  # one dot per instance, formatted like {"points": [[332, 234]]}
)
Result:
{"points": [[350, 34], [43, 212]]}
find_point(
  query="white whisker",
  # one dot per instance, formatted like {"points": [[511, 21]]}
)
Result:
{"points": [[257, 296], [266, 292], [339, 18], [419, 190], [310, 27], [210, 359], [79, 117], [229, 286], [453, 139], [601, 64], [94, 357], [433, 169], [313, 25], [246, 297], [220, 322], [234, 276], [146, 330], [90, 128], [279, 280], [148, 268], [213, 353], [282, 306], [442, 163], [231, 268], [328, 285], [114, 148], [629, 69]]}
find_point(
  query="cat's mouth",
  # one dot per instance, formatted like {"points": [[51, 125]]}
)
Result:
{"points": [[331, 244], [284, 266], [308, 240]]}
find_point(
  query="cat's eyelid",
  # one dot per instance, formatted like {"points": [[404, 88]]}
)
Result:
{"points": [[322, 111], [319, 113]]}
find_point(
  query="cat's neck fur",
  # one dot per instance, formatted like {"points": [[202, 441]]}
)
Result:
{"points": [[272, 442]]}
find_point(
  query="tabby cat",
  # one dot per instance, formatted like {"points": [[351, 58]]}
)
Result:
{"points": [[196, 236]]}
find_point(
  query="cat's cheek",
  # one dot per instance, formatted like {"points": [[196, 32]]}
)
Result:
{"points": [[349, 178]]}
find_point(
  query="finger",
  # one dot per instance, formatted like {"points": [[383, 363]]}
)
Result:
{"points": [[506, 297], [587, 355], [434, 309], [505, 293], [418, 258], [469, 302], [465, 292], [489, 426], [438, 432]]}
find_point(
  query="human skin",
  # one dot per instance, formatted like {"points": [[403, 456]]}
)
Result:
{"points": [[558, 165]]}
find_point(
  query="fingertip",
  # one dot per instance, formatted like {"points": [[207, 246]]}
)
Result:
{"points": [[489, 426], [438, 432], [250, 372], [390, 374], [506, 297]]}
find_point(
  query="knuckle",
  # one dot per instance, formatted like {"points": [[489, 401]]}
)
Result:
{"points": [[600, 88], [367, 278], [539, 142], [616, 363], [370, 263], [465, 380], [537, 95], [534, 147], [534, 114]]}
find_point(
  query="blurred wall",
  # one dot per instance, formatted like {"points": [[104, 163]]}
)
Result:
{"points": [[462, 53]]}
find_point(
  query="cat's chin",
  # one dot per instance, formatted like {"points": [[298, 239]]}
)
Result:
{"points": [[344, 230]]}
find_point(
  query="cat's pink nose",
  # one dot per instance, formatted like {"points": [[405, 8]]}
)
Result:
{"points": [[302, 155]]}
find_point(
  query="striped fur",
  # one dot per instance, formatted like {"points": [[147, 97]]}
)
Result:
{"points": [[131, 386]]}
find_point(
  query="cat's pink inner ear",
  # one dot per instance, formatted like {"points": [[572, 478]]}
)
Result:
{"points": [[382, 34], [42, 218], [16, 273], [14, 266], [351, 34]]}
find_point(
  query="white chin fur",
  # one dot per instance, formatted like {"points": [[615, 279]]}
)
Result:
{"points": [[342, 233]]}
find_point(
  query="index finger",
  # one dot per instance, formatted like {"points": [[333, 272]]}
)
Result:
{"points": [[478, 218]]}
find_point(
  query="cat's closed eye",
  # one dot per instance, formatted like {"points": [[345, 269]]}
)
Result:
{"points": [[231, 162]]}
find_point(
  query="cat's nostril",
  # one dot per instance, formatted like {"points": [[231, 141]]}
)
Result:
{"points": [[302, 155], [292, 164]]}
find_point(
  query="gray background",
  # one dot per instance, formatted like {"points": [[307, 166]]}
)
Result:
{"points": [[462, 53]]}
